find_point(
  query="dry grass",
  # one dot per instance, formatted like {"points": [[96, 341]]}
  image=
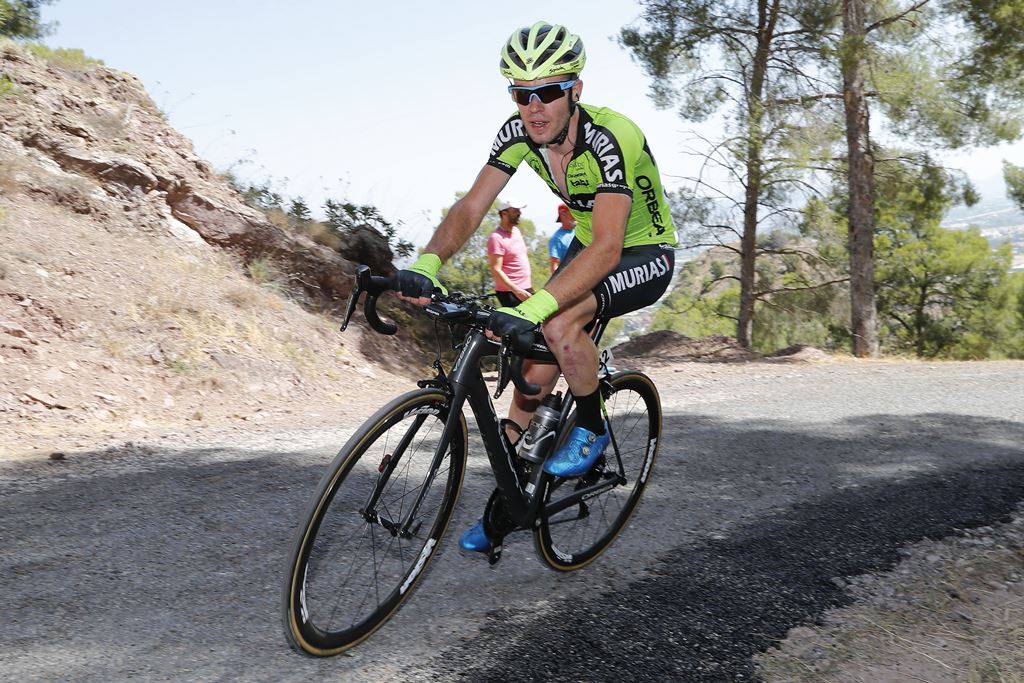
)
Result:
{"points": [[190, 321], [262, 271]]}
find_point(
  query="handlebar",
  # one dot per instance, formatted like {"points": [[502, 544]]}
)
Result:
{"points": [[513, 347], [374, 286]]}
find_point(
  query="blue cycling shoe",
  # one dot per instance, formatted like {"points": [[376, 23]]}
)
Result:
{"points": [[578, 454], [474, 539]]}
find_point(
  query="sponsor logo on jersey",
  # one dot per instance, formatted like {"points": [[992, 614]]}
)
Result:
{"points": [[512, 131], [581, 201], [638, 275], [578, 178], [502, 165], [607, 151], [650, 195], [620, 188]]}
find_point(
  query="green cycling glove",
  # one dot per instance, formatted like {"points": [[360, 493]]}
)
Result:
{"points": [[524, 317], [420, 279]]}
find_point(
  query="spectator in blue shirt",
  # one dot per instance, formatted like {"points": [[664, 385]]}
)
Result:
{"points": [[559, 242]]}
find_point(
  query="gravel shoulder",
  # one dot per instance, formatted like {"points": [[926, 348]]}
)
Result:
{"points": [[951, 610]]}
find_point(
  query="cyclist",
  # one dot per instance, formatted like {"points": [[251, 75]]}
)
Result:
{"points": [[599, 164]]}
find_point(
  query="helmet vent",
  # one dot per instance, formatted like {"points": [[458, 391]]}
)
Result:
{"points": [[516, 60]]}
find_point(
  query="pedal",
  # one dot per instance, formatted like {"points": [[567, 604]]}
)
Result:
{"points": [[497, 525]]}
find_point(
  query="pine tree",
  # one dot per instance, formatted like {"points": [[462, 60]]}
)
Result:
{"points": [[21, 19]]}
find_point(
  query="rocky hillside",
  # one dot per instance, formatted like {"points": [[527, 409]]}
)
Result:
{"points": [[127, 296]]}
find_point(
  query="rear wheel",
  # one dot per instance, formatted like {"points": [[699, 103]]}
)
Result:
{"points": [[573, 537], [374, 523]]}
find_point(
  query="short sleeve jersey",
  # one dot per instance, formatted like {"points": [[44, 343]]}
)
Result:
{"points": [[611, 155]]}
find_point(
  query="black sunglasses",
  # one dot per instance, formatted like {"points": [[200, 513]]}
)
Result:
{"points": [[547, 93]]}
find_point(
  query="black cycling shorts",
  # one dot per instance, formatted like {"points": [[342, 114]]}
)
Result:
{"points": [[642, 276], [509, 299]]}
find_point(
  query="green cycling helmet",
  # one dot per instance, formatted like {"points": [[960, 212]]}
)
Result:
{"points": [[542, 50]]}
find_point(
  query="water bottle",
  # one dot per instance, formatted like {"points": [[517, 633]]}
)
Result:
{"points": [[540, 435]]}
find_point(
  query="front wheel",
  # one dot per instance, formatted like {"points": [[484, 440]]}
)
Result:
{"points": [[374, 523], [573, 537]]}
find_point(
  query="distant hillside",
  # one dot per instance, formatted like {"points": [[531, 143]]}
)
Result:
{"points": [[999, 220]]}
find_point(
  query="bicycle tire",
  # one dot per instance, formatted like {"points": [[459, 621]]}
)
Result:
{"points": [[328, 604], [576, 536]]}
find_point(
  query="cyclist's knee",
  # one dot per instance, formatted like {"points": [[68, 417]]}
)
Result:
{"points": [[540, 373], [569, 322]]}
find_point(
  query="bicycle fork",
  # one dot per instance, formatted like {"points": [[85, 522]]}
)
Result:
{"points": [[404, 527]]}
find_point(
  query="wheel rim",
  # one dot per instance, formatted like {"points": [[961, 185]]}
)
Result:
{"points": [[578, 534]]}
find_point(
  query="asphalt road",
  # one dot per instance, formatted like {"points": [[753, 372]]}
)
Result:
{"points": [[165, 562]]}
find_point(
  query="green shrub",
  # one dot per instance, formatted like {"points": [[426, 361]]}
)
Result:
{"points": [[263, 272], [66, 58], [7, 87]]}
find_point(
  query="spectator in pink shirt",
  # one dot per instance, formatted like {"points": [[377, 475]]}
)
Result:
{"points": [[506, 253]]}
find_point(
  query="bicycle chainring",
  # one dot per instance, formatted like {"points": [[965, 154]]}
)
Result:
{"points": [[498, 523]]}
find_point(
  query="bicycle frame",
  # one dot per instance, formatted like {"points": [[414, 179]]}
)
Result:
{"points": [[399, 476], [466, 385]]}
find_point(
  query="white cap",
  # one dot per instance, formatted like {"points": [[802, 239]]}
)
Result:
{"points": [[510, 203]]}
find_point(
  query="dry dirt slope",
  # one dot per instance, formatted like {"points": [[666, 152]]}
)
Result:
{"points": [[125, 303]]}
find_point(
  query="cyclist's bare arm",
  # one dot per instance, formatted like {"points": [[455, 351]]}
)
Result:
{"points": [[463, 219], [592, 263]]}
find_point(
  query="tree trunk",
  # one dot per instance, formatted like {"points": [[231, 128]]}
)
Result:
{"points": [[748, 246], [860, 212], [754, 161]]}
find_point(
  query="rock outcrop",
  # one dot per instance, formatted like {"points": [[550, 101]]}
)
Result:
{"points": [[92, 140], [139, 293]]}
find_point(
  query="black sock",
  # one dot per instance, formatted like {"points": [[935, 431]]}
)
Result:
{"points": [[588, 412]]}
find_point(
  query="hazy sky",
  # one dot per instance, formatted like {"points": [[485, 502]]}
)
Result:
{"points": [[389, 103]]}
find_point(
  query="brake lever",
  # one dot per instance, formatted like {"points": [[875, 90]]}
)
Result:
{"points": [[357, 288], [504, 366], [510, 364], [373, 286]]}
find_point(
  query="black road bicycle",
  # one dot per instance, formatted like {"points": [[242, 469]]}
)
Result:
{"points": [[379, 513]]}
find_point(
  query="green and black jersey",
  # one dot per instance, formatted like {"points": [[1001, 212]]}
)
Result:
{"points": [[610, 155]]}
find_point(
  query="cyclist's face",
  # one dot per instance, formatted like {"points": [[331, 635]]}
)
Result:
{"points": [[545, 121]]}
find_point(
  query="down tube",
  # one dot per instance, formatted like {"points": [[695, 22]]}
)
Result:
{"points": [[468, 380]]}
